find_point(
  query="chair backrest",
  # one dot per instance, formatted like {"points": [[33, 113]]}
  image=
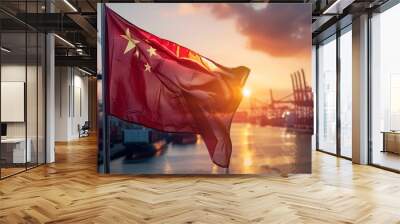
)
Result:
{"points": [[86, 125]]}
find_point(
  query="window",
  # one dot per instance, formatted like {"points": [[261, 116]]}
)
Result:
{"points": [[327, 95], [346, 93], [385, 89]]}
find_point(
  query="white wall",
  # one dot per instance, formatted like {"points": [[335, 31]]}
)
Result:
{"points": [[12, 73], [33, 127], [71, 102], [61, 103], [80, 110]]}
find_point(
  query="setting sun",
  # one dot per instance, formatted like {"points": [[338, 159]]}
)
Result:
{"points": [[246, 92]]}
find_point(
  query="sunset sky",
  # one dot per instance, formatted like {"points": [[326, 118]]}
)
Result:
{"points": [[273, 40]]}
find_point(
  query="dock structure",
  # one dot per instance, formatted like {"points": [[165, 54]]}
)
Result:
{"points": [[303, 101], [294, 110]]}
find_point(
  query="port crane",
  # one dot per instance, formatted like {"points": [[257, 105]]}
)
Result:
{"points": [[294, 110]]}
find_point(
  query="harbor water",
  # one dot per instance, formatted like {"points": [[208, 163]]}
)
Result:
{"points": [[256, 150]]}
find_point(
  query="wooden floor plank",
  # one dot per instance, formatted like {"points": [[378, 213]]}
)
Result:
{"points": [[71, 191]]}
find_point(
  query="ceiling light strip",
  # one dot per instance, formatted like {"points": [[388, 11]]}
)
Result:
{"points": [[84, 71], [64, 40], [5, 50], [70, 5], [337, 7]]}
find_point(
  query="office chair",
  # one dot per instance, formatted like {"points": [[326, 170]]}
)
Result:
{"points": [[84, 130]]}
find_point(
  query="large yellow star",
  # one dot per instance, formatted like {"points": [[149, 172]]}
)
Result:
{"points": [[131, 42], [151, 51]]}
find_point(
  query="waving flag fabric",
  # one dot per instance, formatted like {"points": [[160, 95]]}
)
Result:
{"points": [[162, 85]]}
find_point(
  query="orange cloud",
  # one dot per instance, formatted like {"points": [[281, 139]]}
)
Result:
{"points": [[186, 8], [280, 30]]}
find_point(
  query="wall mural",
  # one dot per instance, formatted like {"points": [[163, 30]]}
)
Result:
{"points": [[210, 88]]}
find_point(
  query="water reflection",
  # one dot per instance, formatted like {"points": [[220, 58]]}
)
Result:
{"points": [[256, 150]]}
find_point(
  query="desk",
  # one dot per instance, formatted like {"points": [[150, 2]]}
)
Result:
{"points": [[13, 150], [391, 141]]}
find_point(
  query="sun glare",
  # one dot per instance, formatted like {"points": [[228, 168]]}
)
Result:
{"points": [[246, 92]]}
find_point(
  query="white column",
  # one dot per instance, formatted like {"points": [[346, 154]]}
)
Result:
{"points": [[360, 89], [50, 99], [50, 92]]}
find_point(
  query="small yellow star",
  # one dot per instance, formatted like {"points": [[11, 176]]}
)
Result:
{"points": [[131, 42], [151, 51], [147, 67]]}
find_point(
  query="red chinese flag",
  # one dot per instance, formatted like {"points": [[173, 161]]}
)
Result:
{"points": [[162, 85]]}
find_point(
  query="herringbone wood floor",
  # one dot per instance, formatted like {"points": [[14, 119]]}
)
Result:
{"points": [[71, 191]]}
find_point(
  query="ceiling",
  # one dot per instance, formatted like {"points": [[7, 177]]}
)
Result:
{"points": [[74, 21]]}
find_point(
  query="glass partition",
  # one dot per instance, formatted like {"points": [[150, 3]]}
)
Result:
{"points": [[22, 78], [14, 153]]}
